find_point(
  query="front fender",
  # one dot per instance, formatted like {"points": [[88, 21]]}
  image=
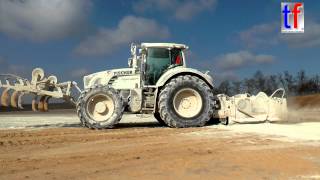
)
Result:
{"points": [[99, 78]]}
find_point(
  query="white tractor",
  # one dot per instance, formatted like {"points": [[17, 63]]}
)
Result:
{"points": [[157, 82]]}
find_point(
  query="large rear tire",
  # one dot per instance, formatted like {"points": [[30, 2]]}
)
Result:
{"points": [[100, 107], [158, 118], [186, 101]]}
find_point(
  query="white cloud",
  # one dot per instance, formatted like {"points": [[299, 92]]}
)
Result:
{"points": [[191, 8], [129, 29], [1, 60], [145, 5], [79, 73], [225, 75], [268, 34], [41, 20], [310, 37], [7, 68], [260, 35], [181, 9], [240, 59]]}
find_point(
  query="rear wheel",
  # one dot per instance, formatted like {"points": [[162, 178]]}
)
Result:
{"points": [[186, 101], [100, 107], [158, 118]]}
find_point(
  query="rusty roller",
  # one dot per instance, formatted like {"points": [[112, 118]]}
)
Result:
{"points": [[35, 104], [41, 104], [20, 100], [14, 99], [5, 98], [46, 104]]}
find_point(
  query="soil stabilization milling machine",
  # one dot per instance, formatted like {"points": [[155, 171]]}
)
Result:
{"points": [[156, 82]]}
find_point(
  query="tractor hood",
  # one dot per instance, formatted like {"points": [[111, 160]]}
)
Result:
{"points": [[103, 77]]}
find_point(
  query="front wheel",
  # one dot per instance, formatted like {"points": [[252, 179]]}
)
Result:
{"points": [[186, 101], [100, 107]]}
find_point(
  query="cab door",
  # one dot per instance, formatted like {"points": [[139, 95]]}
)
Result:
{"points": [[157, 61]]}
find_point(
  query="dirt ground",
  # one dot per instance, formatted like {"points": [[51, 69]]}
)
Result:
{"points": [[53, 146], [149, 151], [307, 101]]}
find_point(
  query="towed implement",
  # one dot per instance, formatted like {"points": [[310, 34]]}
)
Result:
{"points": [[40, 87], [156, 82], [246, 108]]}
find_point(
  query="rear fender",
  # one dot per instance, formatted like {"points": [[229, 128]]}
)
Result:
{"points": [[172, 73]]}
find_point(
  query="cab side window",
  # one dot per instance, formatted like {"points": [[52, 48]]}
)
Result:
{"points": [[176, 57]]}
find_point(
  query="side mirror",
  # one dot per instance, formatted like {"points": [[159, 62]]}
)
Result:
{"points": [[142, 51]]}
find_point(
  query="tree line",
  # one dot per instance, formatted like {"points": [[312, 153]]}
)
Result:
{"points": [[295, 85]]}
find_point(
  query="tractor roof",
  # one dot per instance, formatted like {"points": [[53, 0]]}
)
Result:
{"points": [[164, 45]]}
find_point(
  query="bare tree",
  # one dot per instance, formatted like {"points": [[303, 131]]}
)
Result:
{"points": [[250, 86], [259, 81], [299, 84], [225, 88], [236, 87], [271, 84], [302, 83]]}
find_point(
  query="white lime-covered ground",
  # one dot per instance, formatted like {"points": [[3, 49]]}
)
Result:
{"points": [[305, 131], [57, 118]]}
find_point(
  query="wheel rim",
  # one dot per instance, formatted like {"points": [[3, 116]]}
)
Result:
{"points": [[100, 107], [187, 103]]}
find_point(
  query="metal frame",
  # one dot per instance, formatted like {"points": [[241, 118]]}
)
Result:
{"points": [[41, 86]]}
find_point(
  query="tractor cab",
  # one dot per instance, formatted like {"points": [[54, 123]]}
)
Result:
{"points": [[159, 57]]}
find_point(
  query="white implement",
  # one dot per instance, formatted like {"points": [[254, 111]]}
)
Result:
{"points": [[40, 86], [245, 108]]}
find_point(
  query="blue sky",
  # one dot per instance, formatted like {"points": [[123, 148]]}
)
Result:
{"points": [[230, 38]]}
